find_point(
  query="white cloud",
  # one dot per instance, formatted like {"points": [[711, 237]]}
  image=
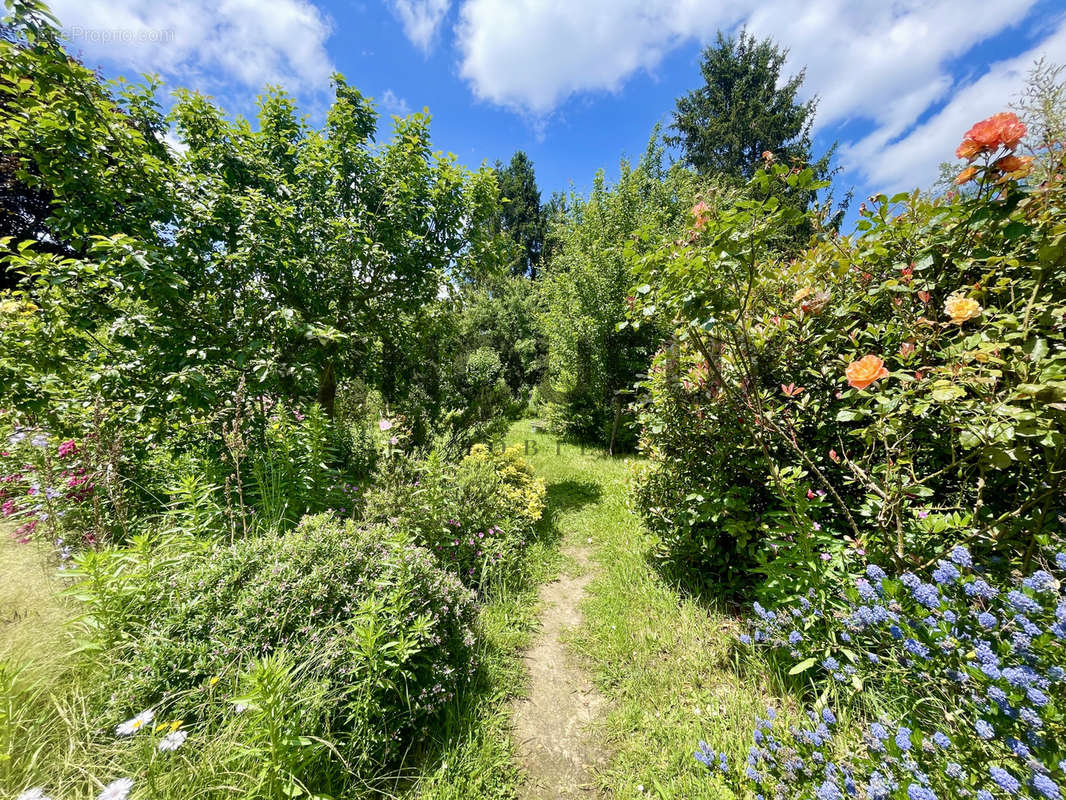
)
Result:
{"points": [[237, 41], [421, 19], [912, 159], [394, 104], [885, 64]]}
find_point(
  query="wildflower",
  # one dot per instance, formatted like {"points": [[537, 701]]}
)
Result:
{"points": [[705, 755], [795, 637], [945, 573], [116, 790], [67, 448], [173, 740], [39, 440], [828, 716], [916, 648], [1004, 780], [131, 726], [984, 729], [917, 792], [865, 371], [986, 620], [384, 425], [953, 770], [36, 793], [941, 740], [961, 308]]}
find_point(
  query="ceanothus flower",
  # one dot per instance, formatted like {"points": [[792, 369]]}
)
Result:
{"points": [[980, 588], [1022, 602], [961, 556], [1040, 582], [903, 739], [945, 573], [984, 729], [1004, 780], [1047, 787], [986, 620]]}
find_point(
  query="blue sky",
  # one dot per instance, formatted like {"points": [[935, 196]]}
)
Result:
{"points": [[577, 84]]}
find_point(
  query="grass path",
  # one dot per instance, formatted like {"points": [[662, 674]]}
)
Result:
{"points": [[662, 661]]}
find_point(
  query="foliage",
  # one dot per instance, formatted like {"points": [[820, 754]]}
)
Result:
{"points": [[1042, 107], [381, 635], [475, 515], [913, 373], [977, 658], [592, 363], [521, 216], [743, 109], [161, 306]]}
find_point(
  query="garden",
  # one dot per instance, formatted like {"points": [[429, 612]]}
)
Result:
{"points": [[298, 424]]}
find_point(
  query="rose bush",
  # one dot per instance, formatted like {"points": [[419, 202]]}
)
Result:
{"points": [[914, 373]]}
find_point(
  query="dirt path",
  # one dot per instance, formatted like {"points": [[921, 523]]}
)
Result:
{"points": [[552, 726]]}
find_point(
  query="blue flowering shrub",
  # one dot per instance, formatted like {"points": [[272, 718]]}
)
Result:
{"points": [[961, 672]]}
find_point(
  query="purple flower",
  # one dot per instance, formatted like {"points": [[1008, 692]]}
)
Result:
{"points": [[1004, 780], [984, 730], [1046, 787], [961, 556]]}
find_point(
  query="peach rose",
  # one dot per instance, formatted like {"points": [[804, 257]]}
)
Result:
{"points": [[865, 371], [969, 149], [1003, 129], [966, 176], [961, 308], [1015, 166]]}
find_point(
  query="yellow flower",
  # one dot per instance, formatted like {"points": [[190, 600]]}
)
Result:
{"points": [[961, 308]]}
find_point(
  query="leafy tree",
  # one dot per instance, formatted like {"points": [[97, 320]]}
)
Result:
{"points": [[742, 110], [592, 358], [521, 215], [275, 258]]}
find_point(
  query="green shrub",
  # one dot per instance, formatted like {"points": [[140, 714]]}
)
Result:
{"points": [[475, 515], [956, 306], [382, 636]]}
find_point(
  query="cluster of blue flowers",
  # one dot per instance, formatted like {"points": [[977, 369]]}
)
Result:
{"points": [[982, 663]]}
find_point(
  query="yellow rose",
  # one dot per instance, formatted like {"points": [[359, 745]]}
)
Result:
{"points": [[961, 308]]}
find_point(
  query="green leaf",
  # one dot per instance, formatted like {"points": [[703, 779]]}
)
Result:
{"points": [[803, 666]]}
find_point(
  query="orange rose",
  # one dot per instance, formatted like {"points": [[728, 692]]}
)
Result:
{"points": [[969, 149], [966, 176], [865, 371], [1015, 166], [1003, 129]]}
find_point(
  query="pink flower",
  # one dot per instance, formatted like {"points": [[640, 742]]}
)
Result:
{"points": [[825, 556], [384, 425], [67, 448], [8, 508]]}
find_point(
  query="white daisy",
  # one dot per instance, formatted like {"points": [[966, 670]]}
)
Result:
{"points": [[173, 740], [36, 793], [116, 790], [131, 726]]}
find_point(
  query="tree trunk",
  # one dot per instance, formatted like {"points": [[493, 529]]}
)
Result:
{"points": [[327, 389]]}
